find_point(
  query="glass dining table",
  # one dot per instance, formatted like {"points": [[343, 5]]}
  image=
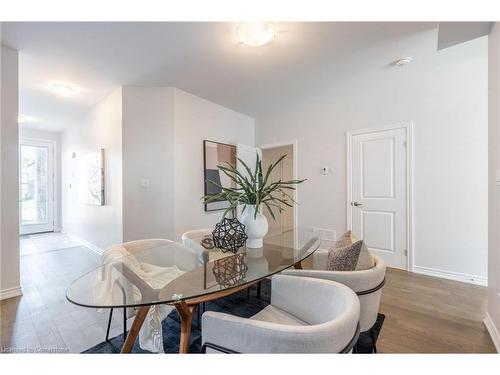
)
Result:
{"points": [[165, 272]]}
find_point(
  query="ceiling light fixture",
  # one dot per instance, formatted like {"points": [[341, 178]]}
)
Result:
{"points": [[402, 62], [24, 118], [256, 34], [64, 90]]}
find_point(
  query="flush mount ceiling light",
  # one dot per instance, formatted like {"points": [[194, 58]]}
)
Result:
{"points": [[64, 90], [24, 118], [402, 62], [256, 34]]}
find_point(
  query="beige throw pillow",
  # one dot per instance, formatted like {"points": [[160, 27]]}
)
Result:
{"points": [[365, 260], [344, 258]]}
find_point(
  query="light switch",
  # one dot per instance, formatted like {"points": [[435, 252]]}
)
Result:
{"points": [[145, 183]]}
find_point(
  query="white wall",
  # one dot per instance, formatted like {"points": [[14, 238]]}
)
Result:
{"points": [[445, 94], [100, 226], [493, 317], [152, 136], [9, 176], [56, 138], [197, 119], [163, 132], [148, 154]]}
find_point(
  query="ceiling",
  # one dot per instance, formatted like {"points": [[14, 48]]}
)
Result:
{"points": [[203, 58]]}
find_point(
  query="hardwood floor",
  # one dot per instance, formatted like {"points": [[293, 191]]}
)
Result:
{"points": [[430, 315], [423, 314], [42, 319]]}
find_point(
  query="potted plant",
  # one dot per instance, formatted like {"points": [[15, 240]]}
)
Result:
{"points": [[253, 190]]}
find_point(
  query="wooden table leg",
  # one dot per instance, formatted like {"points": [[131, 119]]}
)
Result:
{"points": [[186, 313], [298, 265], [134, 330]]}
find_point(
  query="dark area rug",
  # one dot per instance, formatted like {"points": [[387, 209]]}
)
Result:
{"points": [[237, 304]]}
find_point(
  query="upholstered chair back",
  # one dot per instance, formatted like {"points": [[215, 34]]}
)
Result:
{"points": [[134, 247], [157, 252], [313, 301], [367, 284], [192, 239], [163, 253], [325, 316]]}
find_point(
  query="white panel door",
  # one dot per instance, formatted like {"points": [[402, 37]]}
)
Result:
{"points": [[379, 201], [249, 156], [36, 186]]}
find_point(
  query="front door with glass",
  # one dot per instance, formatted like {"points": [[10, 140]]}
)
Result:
{"points": [[36, 186]]}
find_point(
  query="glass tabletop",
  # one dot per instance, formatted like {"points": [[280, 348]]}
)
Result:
{"points": [[160, 271]]}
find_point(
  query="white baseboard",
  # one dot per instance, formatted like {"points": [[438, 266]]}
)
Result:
{"points": [[493, 331], [10, 292], [91, 246], [471, 279]]}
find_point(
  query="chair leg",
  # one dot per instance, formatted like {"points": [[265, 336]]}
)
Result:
{"points": [[201, 309], [124, 323], [374, 342], [109, 323], [198, 322]]}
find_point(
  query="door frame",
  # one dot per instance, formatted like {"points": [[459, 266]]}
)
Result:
{"points": [[294, 145], [410, 181], [55, 203]]}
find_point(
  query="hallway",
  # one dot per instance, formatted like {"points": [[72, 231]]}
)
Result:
{"points": [[42, 320], [43, 242]]}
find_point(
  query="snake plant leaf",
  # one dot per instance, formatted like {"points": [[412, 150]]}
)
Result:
{"points": [[254, 189]]}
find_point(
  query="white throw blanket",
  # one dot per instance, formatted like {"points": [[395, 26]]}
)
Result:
{"points": [[110, 287]]}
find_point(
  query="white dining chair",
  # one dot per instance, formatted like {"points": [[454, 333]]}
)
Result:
{"points": [[192, 238], [367, 284], [184, 258], [306, 315]]}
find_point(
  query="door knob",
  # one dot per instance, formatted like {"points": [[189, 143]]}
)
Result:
{"points": [[356, 204]]}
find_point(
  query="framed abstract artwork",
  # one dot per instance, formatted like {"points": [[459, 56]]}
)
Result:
{"points": [[92, 179], [214, 154]]}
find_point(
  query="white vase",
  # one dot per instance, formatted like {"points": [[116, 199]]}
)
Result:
{"points": [[255, 227]]}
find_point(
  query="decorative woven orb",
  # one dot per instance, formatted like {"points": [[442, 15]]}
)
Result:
{"points": [[230, 271], [229, 235]]}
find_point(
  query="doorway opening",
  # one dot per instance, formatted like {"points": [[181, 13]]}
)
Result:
{"points": [[36, 186], [380, 191], [286, 220]]}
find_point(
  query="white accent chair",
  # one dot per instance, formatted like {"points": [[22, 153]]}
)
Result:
{"points": [[184, 259], [306, 315], [367, 284], [191, 239]]}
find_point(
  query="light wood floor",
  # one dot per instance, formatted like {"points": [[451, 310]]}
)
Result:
{"points": [[430, 315], [423, 314], [42, 319]]}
